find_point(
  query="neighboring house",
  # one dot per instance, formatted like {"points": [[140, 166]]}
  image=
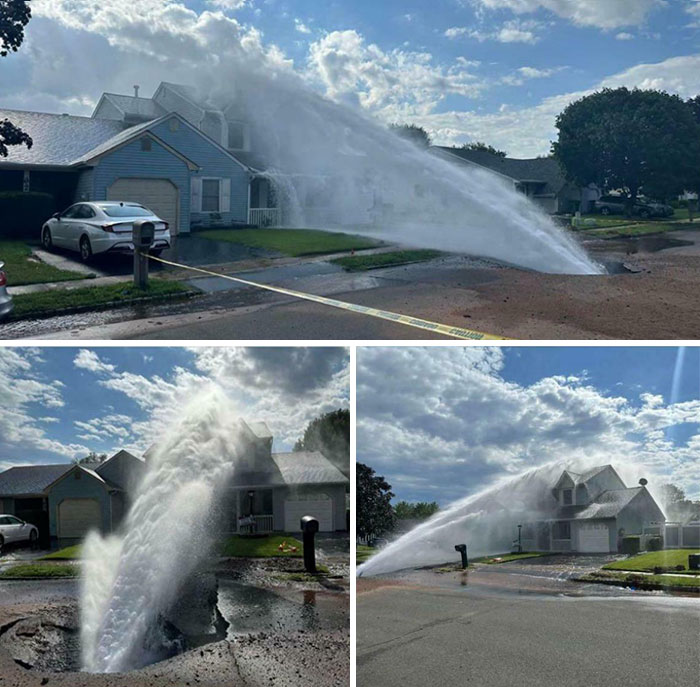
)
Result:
{"points": [[269, 492], [66, 500], [540, 179], [591, 512], [189, 164]]}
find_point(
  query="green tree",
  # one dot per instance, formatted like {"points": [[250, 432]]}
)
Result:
{"points": [[375, 516], [329, 434], [91, 457], [412, 132], [415, 511], [14, 16], [484, 147], [636, 141], [694, 105]]}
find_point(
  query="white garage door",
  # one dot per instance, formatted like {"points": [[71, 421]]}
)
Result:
{"points": [[158, 195], [77, 516], [593, 538], [322, 510]]}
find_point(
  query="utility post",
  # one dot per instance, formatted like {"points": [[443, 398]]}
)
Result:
{"points": [[143, 235]]}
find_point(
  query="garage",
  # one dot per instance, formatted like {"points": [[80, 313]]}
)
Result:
{"points": [[593, 537], [321, 509], [158, 195], [77, 516]]}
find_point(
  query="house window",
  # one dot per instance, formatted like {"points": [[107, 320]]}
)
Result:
{"points": [[210, 195], [567, 497], [146, 145], [236, 135], [561, 530]]}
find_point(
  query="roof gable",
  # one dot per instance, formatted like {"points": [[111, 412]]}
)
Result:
{"points": [[87, 471]]}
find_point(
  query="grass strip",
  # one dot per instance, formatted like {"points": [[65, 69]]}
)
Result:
{"points": [[669, 560], [293, 242], [39, 570], [653, 582], [70, 553], [237, 546], [93, 297], [22, 268], [359, 263]]}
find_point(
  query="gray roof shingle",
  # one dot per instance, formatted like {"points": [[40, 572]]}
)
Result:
{"points": [[57, 139], [30, 479], [607, 505], [542, 169], [307, 467]]}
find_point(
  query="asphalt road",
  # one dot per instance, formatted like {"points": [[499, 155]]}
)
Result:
{"points": [[409, 636]]}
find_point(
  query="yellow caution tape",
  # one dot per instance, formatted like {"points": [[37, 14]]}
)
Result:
{"points": [[448, 330]]}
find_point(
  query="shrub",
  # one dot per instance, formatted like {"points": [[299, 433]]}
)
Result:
{"points": [[22, 214], [680, 566], [630, 545], [655, 544]]}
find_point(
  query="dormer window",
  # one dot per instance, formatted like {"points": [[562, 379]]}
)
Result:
{"points": [[237, 135], [567, 497]]}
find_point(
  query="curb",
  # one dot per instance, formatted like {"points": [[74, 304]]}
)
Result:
{"points": [[647, 586]]}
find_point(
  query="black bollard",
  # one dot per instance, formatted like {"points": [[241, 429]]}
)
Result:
{"points": [[462, 548], [143, 234], [309, 527]]}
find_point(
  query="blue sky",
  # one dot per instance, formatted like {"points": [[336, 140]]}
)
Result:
{"points": [[444, 423], [61, 403], [493, 70]]}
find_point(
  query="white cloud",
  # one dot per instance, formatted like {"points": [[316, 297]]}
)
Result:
{"points": [[89, 360], [624, 36], [512, 31], [301, 27], [526, 73], [350, 69], [604, 14], [693, 9], [449, 416], [229, 4]]}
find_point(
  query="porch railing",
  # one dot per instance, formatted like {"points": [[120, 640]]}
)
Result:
{"points": [[264, 217], [263, 524]]}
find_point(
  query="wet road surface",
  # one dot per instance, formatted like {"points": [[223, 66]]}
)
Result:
{"points": [[526, 625]]}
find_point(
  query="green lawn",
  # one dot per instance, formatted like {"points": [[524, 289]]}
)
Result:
{"points": [[359, 263], [21, 268], [646, 562], [364, 553], [507, 557], [260, 547], [70, 553], [294, 242], [40, 570], [689, 582], [93, 297], [640, 229]]}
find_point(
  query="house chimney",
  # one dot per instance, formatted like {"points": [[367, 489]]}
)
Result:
{"points": [[136, 91], [643, 482]]}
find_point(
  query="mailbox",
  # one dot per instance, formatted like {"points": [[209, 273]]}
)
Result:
{"points": [[462, 548], [309, 527]]}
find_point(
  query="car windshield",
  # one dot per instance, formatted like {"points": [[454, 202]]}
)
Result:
{"points": [[125, 210]]}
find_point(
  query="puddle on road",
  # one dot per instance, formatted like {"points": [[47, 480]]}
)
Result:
{"points": [[253, 609]]}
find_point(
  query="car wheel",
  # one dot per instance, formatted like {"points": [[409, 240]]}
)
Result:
{"points": [[85, 249], [46, 239], [2, 544], [604, 211], [33, 537]]}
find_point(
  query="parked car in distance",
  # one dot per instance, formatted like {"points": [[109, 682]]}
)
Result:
{"points": [[5, 298], [101, 227], [615, 205], [13, 530]]}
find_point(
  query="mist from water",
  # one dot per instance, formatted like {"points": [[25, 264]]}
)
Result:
{"points": [[337, 168], [487, 522], [130, 579]]}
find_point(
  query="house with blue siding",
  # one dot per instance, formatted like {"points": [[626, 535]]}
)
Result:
{"points": [[271, 492], [189, 163]]}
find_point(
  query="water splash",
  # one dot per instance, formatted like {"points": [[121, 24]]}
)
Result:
{"points": [[486, 521], [350, 173], [132, 579]]}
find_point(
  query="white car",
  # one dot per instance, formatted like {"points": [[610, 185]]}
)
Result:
{"points": [[13, 530], [101, 226]]}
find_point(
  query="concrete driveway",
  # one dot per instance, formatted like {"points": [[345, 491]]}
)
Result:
{"points": [[410, 635]]}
